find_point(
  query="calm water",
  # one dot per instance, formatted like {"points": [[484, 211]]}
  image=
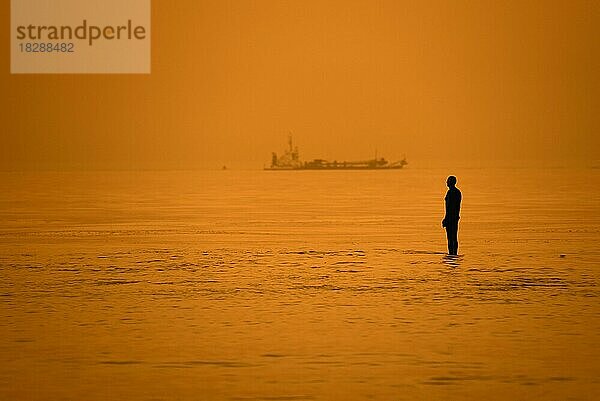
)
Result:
{"points": [[230, 285]]}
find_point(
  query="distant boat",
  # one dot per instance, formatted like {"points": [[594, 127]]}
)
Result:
{"points": [[290, 160]]}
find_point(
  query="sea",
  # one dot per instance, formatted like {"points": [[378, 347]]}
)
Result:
{"points": [[299, 285]]}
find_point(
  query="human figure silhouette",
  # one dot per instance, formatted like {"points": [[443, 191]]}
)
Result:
{"points": [[450, 222]]}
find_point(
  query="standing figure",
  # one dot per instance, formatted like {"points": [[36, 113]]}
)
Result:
{"points": [[450, 222]]}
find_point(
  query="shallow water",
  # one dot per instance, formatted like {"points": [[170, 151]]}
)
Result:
{"points": [[252, 285]]}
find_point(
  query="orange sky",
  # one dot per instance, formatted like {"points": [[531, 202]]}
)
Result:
{"points": [[444, 82]]}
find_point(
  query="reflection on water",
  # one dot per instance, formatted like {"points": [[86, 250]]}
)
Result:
{"points": [[452, 260], [318, 286]]}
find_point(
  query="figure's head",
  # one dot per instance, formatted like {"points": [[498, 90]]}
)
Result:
{"points": [[451, 181]]}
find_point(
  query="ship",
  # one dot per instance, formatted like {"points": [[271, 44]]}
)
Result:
{"points": [[290, 160]]}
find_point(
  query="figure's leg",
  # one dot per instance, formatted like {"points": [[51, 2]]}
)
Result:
{"points": [[452, 239], [456, 240], [449, 237]]}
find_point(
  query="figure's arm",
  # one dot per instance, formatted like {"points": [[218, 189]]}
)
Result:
{"points": [[446, 211]]}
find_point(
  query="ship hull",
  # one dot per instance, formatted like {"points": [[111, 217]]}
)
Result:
{"points": [[290, 161], [331, 168]]}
